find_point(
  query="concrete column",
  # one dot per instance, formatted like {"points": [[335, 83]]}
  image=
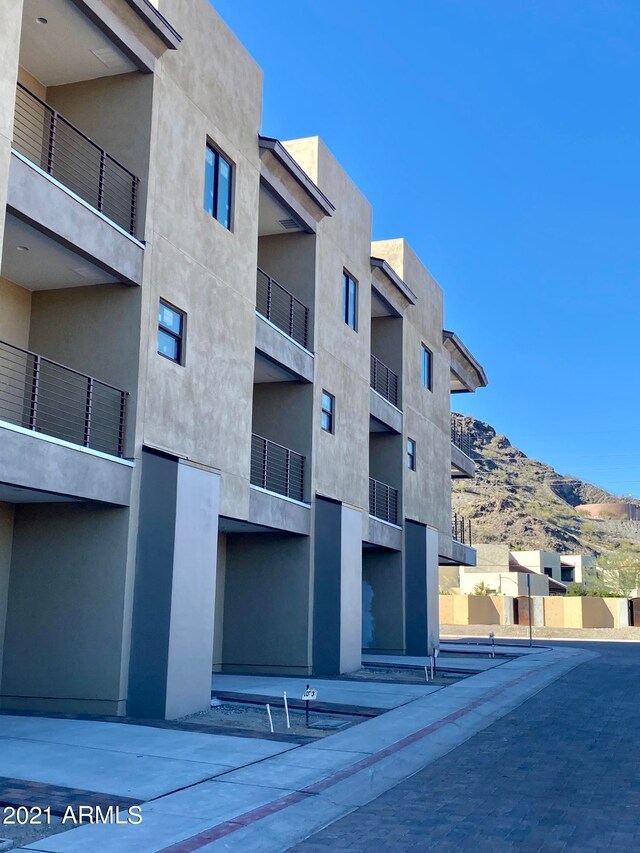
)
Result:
{"points": [[337, 599], [173, 611], [421, 588]]}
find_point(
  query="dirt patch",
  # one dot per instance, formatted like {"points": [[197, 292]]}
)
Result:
{"points": [[235, 716]]}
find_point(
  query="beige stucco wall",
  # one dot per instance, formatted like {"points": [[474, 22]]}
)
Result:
{"points": [[539, 560], [342, 354], [484, 610], [11, 26], [195, 263], [427, 491], [15, 315]]}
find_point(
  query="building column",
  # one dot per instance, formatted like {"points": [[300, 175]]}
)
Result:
{"points": [[422, 628], [174, 600], [337, 588]]}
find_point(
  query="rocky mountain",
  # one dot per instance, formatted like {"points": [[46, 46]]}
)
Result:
{"points": [[519, 501]]}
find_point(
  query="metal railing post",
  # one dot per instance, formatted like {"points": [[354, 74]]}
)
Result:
{"points": [[53, 124], [35, 389], [269, 297], [123, 422], [101, 183], [87, 413]]}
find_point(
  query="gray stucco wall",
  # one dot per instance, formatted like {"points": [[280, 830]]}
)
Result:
{"points": [[63, 641], [266, 605], [382, 601], [6, 540]]}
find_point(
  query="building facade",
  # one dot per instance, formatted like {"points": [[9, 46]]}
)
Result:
{"points": [[225, 439]]}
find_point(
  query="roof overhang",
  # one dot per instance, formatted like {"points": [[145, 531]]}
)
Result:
{"points": [[392, 276], [285, 159], [467, 374], [156, 22]]}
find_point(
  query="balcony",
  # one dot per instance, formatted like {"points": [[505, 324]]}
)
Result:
{"points": [[276, 468], [462, 464], [384, 398], [43, 396], [383, 501], [57, 147], [384, 381], [461, 529], [281, 308]]}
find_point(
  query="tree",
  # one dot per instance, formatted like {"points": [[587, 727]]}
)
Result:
{"points": [[482, 589], [620, 570]]}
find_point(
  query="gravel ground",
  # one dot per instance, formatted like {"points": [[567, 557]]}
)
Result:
{"points": [[448, 632], [254, 718]]}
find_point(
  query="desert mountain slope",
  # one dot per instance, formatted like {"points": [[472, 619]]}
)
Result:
{"points": [[528, 505]]}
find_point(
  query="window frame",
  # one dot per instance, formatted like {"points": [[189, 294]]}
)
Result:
{"points": [[330, 412], [217, 156], [411, 454], [426, 367], [179, 338], [349, 299]]}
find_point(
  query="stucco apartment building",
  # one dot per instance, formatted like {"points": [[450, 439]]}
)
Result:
{"points": [[224, 413]]}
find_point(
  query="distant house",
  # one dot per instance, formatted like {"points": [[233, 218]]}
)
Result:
{"points": [[514, 573]]}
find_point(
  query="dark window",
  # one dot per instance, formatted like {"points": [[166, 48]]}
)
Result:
{"points": [[218, 173], [548, 572], [426, 367], [326, 420], [170, 332], [566, 575], [411, 454], [350, 300]]}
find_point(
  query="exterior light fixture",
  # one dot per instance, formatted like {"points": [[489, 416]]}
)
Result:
{"points": [[42, 21]]}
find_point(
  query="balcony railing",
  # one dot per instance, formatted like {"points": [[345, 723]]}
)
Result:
{"points": [[461, 528], [383, 501], [51, 142], [460, 436], [384, 381], [277, 468], [42, 395], [276, 304]]}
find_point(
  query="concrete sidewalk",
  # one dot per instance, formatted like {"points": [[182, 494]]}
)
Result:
{"points": [[278, 799]]}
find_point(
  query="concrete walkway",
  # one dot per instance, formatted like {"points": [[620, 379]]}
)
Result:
{"points": [[345, 692], [273, 803], [445, 663]]}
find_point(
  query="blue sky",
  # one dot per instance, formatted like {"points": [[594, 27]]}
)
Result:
{"points": [[501, 138]]}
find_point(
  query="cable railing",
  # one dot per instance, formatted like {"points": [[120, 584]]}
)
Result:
{"points": [[47, 139], [383, 501], [276, 468], [44, 396], [460, 436], [461, 528], [384, 380], [276, 304]]}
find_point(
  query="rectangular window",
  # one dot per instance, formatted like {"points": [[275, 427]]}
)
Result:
{"points": [[411, 454], [170, 332], [326, 419], [218, 173], [426, 366], [350, 301]]}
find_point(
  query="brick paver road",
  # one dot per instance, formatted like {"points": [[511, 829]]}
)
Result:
{"points": [[561, 772]]}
